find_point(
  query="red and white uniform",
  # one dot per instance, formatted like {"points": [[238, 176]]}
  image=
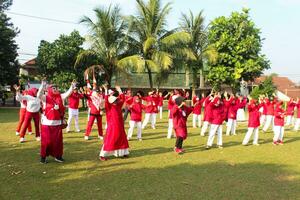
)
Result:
{"points": [[290, 108], [197, 103], [51, 131], [33, 106], [297, 123], [278, 123], [218, 116], [180, 116], [95, 102], [136, 110], [253, 122], [22, 113], [207, 114], [233, 106], [269, 107], [171, 104], [73, 111], [115, 141], [160, 105], [150, 111]]}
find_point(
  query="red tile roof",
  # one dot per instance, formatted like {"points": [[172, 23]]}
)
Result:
{"points": [[30, 62], [283, 84]]}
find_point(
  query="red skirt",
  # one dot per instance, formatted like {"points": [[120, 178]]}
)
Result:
{"points": [[51, 141]]}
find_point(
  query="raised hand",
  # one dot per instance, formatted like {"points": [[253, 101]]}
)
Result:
{"points": [[17, 88]]}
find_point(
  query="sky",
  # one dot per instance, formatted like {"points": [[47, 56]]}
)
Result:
{"points": [[277, 19]]}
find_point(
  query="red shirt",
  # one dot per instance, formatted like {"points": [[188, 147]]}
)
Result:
{"points": [[269, 107], [207, 109], [217, 109], [279, 116], [290, 108], [197, 105], [136, 110], [180, 116], [74, 100], [95, 103], [160, 101], [128, 100], [253, 110]]}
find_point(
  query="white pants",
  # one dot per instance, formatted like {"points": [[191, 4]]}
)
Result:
{"points": [[73, 113], [204, 127], [195, 119], [160, 112], [269, 121], [170, 128], [262, 119], [151, 117], [297, 124], [231, 127], [278, 133], [138, 125], [289, 120], [215, 129], [248, 135]]}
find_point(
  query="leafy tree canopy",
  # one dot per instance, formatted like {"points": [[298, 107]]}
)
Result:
{"points": [[58, 57], [238, 43]]}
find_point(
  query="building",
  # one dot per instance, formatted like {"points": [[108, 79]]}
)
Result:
{"points": [[29, 68], [283, 84]]}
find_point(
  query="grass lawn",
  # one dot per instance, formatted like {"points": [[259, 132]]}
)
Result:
{"points": [[153, 170]]}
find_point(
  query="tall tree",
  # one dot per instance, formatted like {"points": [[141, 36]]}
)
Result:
{"points": [[8, 47], [107, 38], [56, 59], [194, 25], [238, 43], [155, 47]]}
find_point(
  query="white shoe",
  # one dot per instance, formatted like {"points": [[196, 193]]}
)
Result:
{"points": [[17, 133], [202, 135], [22, 140], [256, 144], [128, 138], [38, 139], [100, 137], [78, 131], [67, 131], [153, 127], [139, 139], [29, 133], [86, 137], [220, 146]]}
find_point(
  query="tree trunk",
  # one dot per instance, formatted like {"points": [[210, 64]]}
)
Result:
{"points": [[187, 77], [150, 78], [201, 78]]}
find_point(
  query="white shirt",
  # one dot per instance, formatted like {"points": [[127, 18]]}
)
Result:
{"points": [[33, 103]]}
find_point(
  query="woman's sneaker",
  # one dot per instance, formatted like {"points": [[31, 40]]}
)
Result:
{"points": [[59, 159], [43, 160]]}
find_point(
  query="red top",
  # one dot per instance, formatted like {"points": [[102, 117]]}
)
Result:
{"points": [[197, 105], [74, 100], [233, 106], [128, 100], [269, 107], [160, 101], [149, 108], [279, 116], [136, 110], [217, 110], [253, 110], [207, 109], [50, 112], [180, 116], [94, 103], [298, 109], [290, 107]]}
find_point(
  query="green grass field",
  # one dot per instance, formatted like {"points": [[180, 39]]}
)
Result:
{"points": [[153, 170]]}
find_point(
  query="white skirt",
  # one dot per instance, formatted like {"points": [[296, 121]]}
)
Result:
{"points": [[116, 153]]}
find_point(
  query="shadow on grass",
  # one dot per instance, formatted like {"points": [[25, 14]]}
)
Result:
{"points": [[84, 177], [8, 115]]}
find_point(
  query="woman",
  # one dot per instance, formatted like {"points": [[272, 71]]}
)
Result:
{"points": [[52, 120], [115, 141]]}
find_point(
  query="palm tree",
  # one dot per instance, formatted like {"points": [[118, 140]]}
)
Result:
{"points": [[155, 47], [199, 45], [107, 38]]}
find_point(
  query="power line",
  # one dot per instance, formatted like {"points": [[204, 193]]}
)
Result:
{"points": [[27, 54], [42, 18]]}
